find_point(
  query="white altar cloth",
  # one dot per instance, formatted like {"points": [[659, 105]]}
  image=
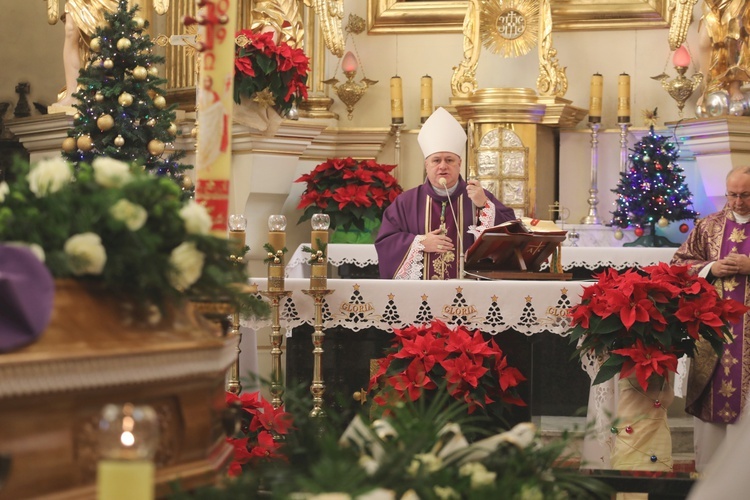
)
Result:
{"points": [[491, 306], [585, 257]]}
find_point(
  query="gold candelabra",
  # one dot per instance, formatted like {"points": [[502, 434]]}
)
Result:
{"points": [[276, 293], [318, 291], [237, 227]]}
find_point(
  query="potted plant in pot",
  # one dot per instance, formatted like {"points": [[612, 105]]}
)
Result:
{"points": [[270, 80], [128, 255], [637, 325], [354, 193]]}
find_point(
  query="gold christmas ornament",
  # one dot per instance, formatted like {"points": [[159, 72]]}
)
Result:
{"points": [[151, 122], [95, 44], [123, 44], [663, 222], [69, 145], [160, 102], [98, 97], [194, 132], [139, 22], [84, 143], [153, 71], [125, 99], [77, 116], [187, 182], [108, 63], [105, 122], [119, 141], [172, 129], [140, 73], [151, 93], [155, 147], [618, 234]]}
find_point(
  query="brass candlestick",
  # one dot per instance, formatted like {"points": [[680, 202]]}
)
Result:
{"points": [[277, 340], [593, 200], [237, 227], [276, 248], [317, 388], [624, 125]]}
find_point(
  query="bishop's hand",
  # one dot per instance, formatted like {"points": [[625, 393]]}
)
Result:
{"points": [[436, 242]]}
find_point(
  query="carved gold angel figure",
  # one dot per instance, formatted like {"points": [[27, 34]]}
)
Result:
{"points": [[81, 18], [725, 46]]}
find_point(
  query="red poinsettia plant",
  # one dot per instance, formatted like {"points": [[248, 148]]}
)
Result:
{"points": [[259, 426], [350, 191], [424, 358], [643, 322], [267, 72]]}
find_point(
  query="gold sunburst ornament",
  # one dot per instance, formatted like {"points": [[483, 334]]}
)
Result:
{"points": [[509, 27]]}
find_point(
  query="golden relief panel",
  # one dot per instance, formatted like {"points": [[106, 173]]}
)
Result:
{"points": [[446, 16]]}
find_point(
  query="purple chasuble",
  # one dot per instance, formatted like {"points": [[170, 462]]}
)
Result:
{"points": [[727, 382], [418, 211]]}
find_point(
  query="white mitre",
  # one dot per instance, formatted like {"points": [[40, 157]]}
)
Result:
{"points": [[440, 133]]}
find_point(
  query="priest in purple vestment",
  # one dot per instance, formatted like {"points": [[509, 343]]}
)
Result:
{"points": [[418, 235], [718, 249]]}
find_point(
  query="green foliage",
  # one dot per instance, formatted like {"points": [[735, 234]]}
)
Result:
{"points": [[104, 91], [142, 225]]}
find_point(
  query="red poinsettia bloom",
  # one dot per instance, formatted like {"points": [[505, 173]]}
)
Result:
{"points": [[274, 420], [646, 320], [645, 361], [352, 194], [463, 369], [362, 190], [426, 348], [262, 64], [695, 313], [413, 381]]}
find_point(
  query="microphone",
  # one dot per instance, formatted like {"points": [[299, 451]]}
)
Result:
{"points": [[459, 230]]}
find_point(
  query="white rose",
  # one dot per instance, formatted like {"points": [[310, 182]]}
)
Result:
{"points": [[49, 176], [86, 254], [111, 173], [186, 263], [35, 249], [426, 462], [4, 190], [134, 216], [196, 217]]}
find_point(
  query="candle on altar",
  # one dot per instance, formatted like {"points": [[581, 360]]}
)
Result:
{"points": [[595, 103], [276, 231], [623, 98], [425, 98], [319, 242], [237, 228], [215, 104], [397, 101]]}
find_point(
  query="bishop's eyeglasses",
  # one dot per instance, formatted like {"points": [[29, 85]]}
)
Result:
{"points": [[734, 196]]}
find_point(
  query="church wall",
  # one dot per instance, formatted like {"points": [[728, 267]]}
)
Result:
{"points": [[35, 48]]}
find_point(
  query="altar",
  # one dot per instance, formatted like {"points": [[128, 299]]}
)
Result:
{"points": [[528, 320]]}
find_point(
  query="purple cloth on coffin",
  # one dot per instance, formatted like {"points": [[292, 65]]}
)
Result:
{"points": [[27, 291]]}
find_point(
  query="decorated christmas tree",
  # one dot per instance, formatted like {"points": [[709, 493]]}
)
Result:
{"points": [[653, 191], [122, 111]]}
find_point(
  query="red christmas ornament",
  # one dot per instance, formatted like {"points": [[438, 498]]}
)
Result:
{"points": [[658, 166], [684, 228], [639, 231], [660, 200]]}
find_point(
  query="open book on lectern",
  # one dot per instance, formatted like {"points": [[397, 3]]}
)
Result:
{"points": [[515, 249]]}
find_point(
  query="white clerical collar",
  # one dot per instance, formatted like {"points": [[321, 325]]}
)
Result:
{"points": [[441, 190], [741, 219]]}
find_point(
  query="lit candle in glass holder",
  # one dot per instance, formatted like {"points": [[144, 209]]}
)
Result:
{"points": [[318, 243], [237, 227], [276, 231], [128, 438], [277, 241]]}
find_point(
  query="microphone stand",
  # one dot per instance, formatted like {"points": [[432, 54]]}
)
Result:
{"points": [[459, 233]]}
